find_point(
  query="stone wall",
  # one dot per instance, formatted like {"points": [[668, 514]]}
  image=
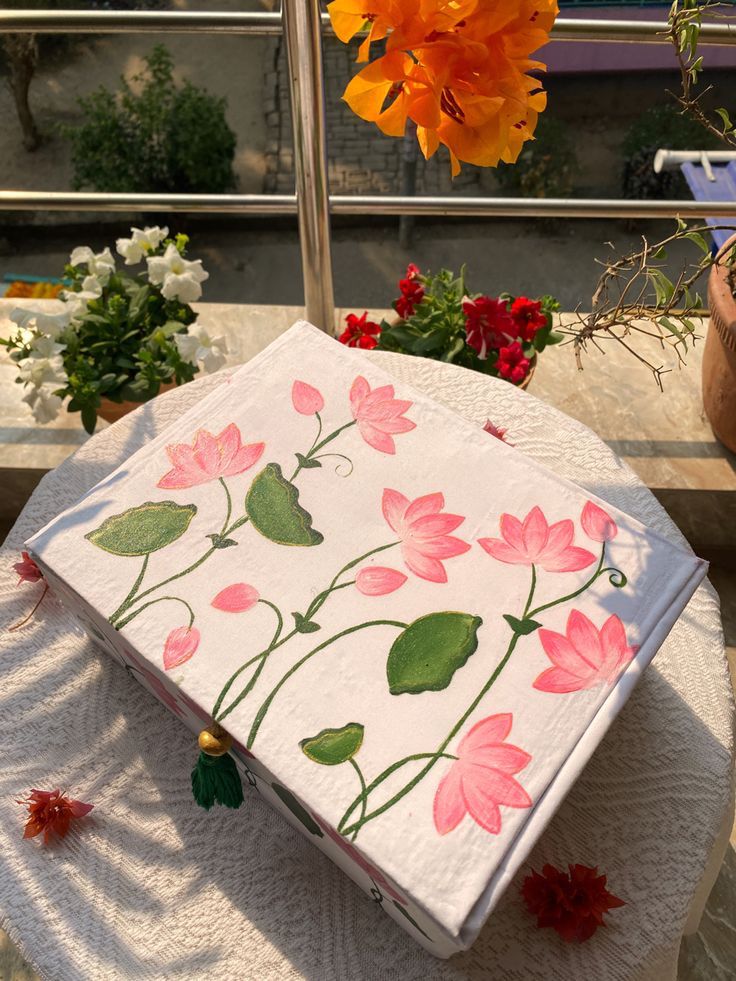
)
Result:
{"points": [[361, 159]]}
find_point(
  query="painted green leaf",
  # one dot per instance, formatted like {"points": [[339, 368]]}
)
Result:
{"points": [[298, 810], [304, 626], [218, 541], [333, 746], [143, 529], [426, 655], [273, 507], [305, 463], [522, 627]]}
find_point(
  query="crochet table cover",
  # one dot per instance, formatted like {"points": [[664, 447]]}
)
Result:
{"points": [[415, 635]]}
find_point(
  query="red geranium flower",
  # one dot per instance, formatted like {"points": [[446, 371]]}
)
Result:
{"points": [[572, 903], [488, 324], [412, 292], [528, 317], [51, 813], [512, 364], [360, 332]]}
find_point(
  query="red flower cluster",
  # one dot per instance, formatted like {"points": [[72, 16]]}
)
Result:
{"points": [[360, 332], [572, 903], [488, 324], [27, 569], [412, 292], [512, 364], [51, 813]]}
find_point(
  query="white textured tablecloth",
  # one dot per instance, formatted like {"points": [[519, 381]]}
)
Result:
{"points": [[154, 887]]}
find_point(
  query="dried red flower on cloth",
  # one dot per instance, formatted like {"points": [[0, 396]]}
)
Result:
{"points": [[28, 571], [51, 813], [572, 903], [360, 332]]}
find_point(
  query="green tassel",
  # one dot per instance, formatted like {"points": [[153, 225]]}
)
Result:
{"points": [[215, 780]]}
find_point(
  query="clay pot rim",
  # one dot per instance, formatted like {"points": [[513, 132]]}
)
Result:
{"points": [[721, 295]]}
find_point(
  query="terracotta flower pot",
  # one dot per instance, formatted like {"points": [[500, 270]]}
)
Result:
{"points": [[719, 355], [112, 411]]}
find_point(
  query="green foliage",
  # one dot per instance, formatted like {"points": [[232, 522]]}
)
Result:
{"points": [[546, 166], [661, 127], [437, 328], [154, 136]]}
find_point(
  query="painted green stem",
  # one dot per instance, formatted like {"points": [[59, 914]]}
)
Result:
{"points": [[363, 795], [319, 600], [160, 599], [316, 447], [130, 597], [262, 711], [598, 572], [263, 656]]}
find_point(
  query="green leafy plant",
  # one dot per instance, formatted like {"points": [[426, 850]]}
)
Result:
{"points": [[546, 166], [153, 136], [440, 319], [119, 336]]}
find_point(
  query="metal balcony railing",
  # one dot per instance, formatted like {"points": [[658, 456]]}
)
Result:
{"points": [[302, 25]]}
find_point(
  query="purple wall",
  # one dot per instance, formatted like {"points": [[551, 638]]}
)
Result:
{"points": [[602, 56]]}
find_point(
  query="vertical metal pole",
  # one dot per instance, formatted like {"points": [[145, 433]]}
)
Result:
{"points": [[303, 33]]}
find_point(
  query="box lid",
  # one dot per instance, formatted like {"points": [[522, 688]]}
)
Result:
{"points": [[419, 631]]}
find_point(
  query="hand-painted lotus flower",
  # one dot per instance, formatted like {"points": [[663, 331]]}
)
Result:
{"points": [[375, 580], [535, 542], [306, 398], [584, 657], [208, 458], [180, 645], [481, 778], [597, 523], [424, 532], [238, 598], [379, 415]]}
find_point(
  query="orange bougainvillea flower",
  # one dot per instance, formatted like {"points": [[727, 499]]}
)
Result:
{"points": [[51, 813], [459, 70], [378, 17]]}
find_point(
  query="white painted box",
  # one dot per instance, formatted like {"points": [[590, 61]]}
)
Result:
{"points": [[415, 635]]}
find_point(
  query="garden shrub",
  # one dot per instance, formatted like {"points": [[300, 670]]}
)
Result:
{"points": [[154, 136], [546, 165]]}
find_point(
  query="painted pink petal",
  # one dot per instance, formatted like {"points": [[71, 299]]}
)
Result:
{"points": [[597, 523], [449, 806], [493, 729], [237, 598], [228, 444], [482, 808], [507, 758], [180, 646], [560, 536], [377, 438], [433, 525], [572, 559], [206, 454], [244, 459], [511, 530], [379, 580], [503, 552], [307, 399], [534, 533], [584, 638], [379, 397], [559, 682], [421, 565], [618, 653], [358, 391], [446, 547], [561, 653], [498, 786], [423, 507], [394, 506]]}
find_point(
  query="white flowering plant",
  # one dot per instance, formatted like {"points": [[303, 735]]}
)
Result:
{"points": [[120, 335]]}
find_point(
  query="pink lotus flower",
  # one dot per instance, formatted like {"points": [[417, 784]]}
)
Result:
{"points": [[352, 852], [481, 778], [497, 431], [379, 415], [585, 657], [180, 646], [424, 532], [537, 543], [209, 457], [376, 580], [27, 569], [306, 399], [237, 598], [597, 523]]}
